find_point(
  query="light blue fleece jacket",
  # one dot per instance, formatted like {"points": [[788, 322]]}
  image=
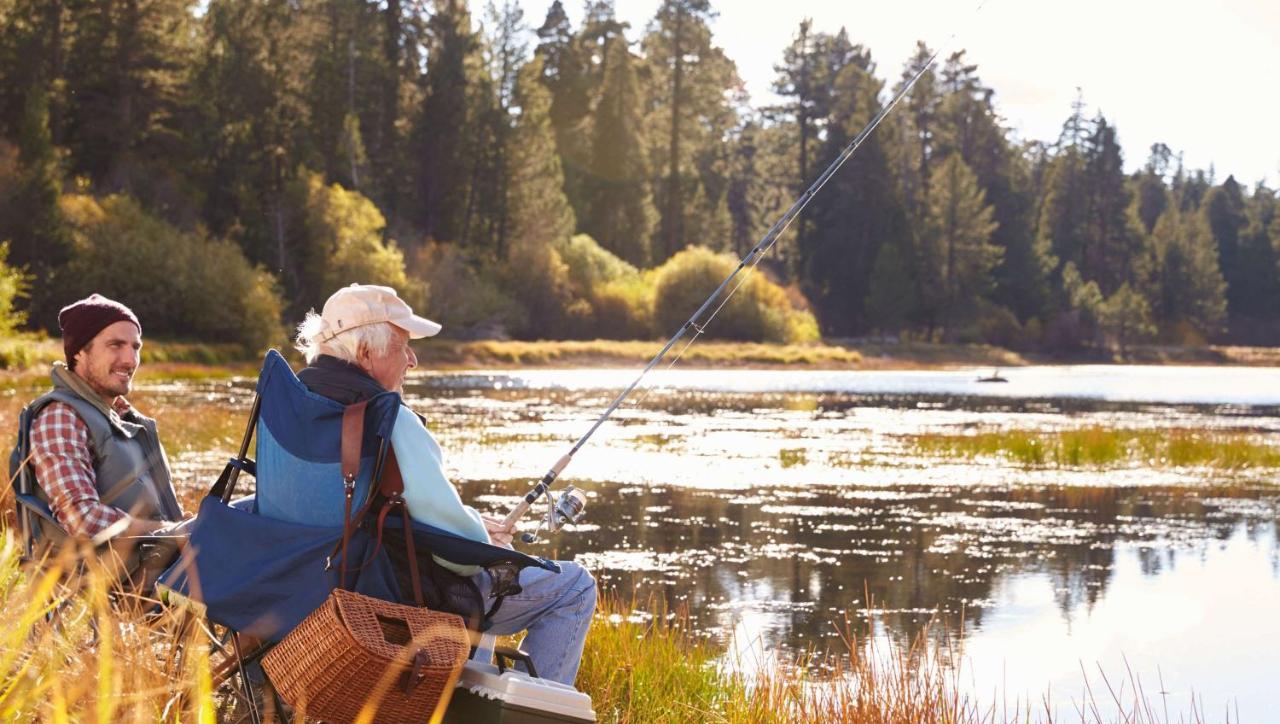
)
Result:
{"points": [[431, 498]]}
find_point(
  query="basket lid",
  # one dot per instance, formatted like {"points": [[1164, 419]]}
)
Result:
{"points": [[387, 628]]}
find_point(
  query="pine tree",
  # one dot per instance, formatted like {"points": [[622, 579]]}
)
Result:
{"points": [[1259, 276], [540, 213], [958, 256], [855, 214], [248, 118], [968, 125], [126, 66], [807, 76], [1125, 317], [913, 133], [690, 80], [1224, 210], [440, 135], [620, 214], [1109, 244], [541, 216], [1188, 291], [342, 99], [1150, 194], [891, 300]]}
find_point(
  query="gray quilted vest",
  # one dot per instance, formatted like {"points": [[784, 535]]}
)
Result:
{"points": [[129, 464]]}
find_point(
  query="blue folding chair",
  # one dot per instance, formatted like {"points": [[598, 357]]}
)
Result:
{"points": [[260, 565]]}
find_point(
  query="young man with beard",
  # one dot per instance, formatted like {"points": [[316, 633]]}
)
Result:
{"points": [[98, 462]]}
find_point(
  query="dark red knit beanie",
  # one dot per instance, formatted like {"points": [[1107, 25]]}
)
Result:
{"points": [[81, 321]]}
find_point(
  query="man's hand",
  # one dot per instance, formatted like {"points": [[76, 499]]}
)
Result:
{"points": [[498, 533]]}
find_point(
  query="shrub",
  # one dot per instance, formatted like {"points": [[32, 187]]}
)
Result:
{"points": [[760, 311], [348, 228], [613, 299], [14, 284], [468, 304], [538, 281], [180, 283]]}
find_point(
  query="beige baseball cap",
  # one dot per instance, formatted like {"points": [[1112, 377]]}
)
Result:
{"points": [[362, 304]]}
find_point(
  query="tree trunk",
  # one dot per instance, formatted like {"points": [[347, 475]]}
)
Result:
{"points": [[387, 139], [672, 220]]}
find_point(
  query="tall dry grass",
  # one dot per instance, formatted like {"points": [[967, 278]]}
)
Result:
{"points": [[72, 650]]}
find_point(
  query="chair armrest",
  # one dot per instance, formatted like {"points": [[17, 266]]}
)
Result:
{"points": [[37, 506]]}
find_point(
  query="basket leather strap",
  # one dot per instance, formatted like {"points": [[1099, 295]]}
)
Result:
{"points": [[352, 440], [392, 487]]}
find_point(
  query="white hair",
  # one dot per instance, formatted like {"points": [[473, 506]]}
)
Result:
{"points": [[344, 345]]}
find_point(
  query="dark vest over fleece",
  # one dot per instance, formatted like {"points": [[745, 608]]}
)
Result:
{"points": [[130, 468]]}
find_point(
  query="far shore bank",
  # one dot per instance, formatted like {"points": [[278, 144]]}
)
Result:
{"points": [[25, 360]]}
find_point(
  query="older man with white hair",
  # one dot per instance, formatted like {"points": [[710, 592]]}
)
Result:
{"points": [[357, 347]]}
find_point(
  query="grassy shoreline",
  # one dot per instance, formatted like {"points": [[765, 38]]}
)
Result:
{"points": [[25, 359]]}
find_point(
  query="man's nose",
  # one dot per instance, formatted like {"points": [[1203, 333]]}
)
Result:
{"points": [[413, 358]]}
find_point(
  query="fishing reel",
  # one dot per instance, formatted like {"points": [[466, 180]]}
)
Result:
{"points": [[568, 508]]}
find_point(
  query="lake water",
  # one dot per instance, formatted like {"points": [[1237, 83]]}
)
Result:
{"points": [[775, 506]]}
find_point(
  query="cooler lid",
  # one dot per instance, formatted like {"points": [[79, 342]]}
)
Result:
{"points": [[517, 688]]}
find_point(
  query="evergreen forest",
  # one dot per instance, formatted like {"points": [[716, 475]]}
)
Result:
{"points": [[224, 165]]}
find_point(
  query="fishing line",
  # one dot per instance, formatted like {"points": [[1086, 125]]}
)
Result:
{"points": [[571, 503]]}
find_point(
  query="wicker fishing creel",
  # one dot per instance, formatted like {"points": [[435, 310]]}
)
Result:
{"points": [[353, 649]]}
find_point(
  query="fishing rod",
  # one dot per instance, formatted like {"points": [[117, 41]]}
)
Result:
{"points": [[571, 504]]}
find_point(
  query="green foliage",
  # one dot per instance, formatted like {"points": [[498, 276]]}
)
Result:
{"points": [[1125, 317], [760, 311], [592, 266], [690, 82], [1187, 286], [347, 228], [183, 284], [891, 300], [620, 298], [15, 284], [39, 240], [459, 297], [620, 212], [957, 242], [440, 135], [856, 213], [214, 115]]}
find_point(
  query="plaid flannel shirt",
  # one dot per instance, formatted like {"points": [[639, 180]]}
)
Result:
{"points": [[63, 463]]}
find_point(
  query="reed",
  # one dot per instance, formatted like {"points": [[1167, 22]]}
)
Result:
{"points": [[642, 669], [1099, 447]]}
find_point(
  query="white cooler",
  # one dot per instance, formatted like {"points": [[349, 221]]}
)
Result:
{"points": [[486, 695]]}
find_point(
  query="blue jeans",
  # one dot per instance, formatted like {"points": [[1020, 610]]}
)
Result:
{"points": [[556, 609]]}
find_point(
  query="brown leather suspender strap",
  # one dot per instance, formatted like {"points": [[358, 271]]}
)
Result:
{"points": [[352, 439], [392, 488]]}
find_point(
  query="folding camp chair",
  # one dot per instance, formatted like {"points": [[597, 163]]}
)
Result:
{"points": [[259, 567]]}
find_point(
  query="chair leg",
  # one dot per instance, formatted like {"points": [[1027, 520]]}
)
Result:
{"points": [[255, 717]]}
